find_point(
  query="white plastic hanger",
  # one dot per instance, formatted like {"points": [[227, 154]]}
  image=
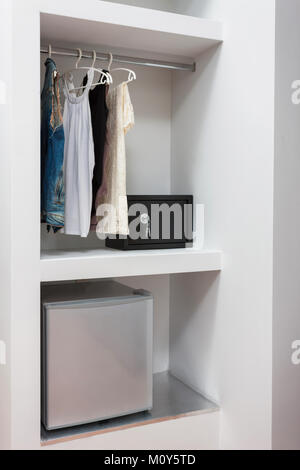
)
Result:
{"points": [[131, 73], [105, 77]]}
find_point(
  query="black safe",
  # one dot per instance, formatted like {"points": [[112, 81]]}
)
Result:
{"points": [[156, 222]]}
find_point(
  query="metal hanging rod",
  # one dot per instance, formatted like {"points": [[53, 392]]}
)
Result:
{"points": [[123, 59]]}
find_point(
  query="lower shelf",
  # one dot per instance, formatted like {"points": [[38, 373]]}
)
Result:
{"points": [[107, 263], [171, 400]]}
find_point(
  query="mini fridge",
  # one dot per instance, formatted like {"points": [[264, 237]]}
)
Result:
{"points": [[97, 342]]}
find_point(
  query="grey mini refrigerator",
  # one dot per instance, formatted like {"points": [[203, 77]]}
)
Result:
{"points": [[97, 344]]}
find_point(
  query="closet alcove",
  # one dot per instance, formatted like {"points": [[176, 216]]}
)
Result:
{"points": [[159, 161]]}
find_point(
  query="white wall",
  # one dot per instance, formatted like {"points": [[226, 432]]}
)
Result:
{"points": [[221, 327], [5, 209], [25, 223], [286, 376]]}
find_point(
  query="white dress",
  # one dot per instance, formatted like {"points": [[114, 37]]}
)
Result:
{"points": [[113, 190], [79, 161]]}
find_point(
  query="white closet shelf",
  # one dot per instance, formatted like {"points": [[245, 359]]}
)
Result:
{"points": [[126, 27], [106, 263]]}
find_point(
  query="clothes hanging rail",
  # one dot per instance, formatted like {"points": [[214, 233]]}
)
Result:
{"points": [[102, 56]]}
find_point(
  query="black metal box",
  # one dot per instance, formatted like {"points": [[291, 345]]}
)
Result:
{"points": [[156, 222]]}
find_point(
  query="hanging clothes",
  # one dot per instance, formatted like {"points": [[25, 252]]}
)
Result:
{"points": [[79, 160], [52, 151], [113, 188], [99, 113]]}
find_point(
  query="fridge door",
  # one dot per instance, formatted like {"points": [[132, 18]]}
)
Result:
{"points": [[97, 359]]}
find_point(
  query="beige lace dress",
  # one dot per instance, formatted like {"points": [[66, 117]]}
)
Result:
{"points": [[111, 201]]}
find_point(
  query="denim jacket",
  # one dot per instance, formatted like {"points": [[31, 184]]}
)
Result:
{"points": [[52, 151]]}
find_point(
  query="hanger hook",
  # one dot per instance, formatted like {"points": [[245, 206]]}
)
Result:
{"points": [[132, 76], [111, 58], [49, 51], [79, 57], [94, 59]]}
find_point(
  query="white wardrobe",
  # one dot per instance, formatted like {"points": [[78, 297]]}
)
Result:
{"points": [[220, 133]]}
